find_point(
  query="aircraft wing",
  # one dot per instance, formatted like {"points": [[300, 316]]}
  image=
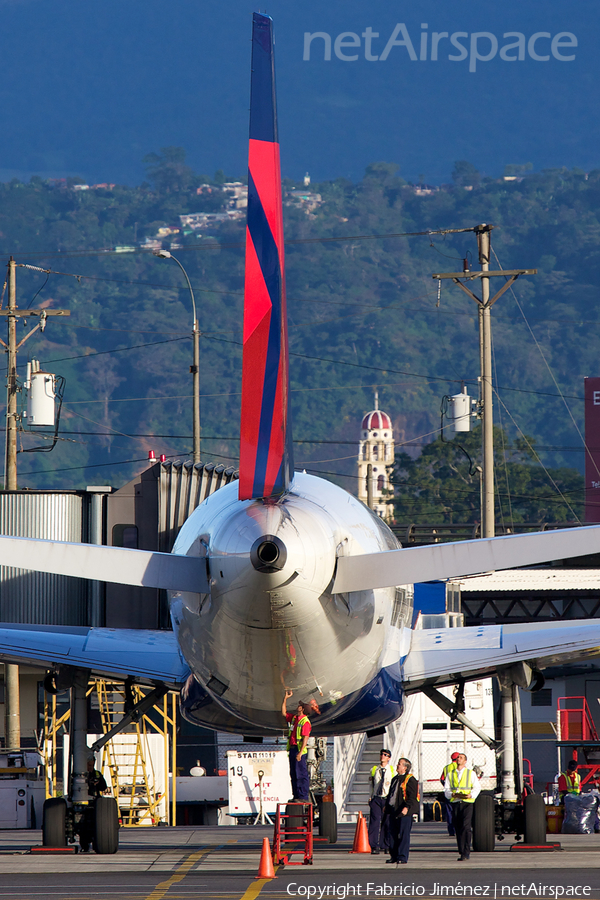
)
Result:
{"points": [[452, 560], [146, 656], [143, 568], [447, 655]]}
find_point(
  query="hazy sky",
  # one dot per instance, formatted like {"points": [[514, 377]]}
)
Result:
{"points": [[90, 88]]}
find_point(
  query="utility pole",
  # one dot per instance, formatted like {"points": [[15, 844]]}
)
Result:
{"points": [[509, 708], [12, 705], [12, 348], [11, 382], [484, 306], [488, 523]]}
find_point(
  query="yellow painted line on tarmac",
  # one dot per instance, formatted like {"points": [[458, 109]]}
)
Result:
{"points": [[254, 889], [161, 889]]}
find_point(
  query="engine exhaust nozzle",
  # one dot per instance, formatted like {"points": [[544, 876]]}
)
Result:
{"points": [[268, 554]]}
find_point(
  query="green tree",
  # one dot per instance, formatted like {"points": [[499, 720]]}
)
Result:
{"points": [[465, 173], [168, 171], [517, 169], [442, 485]]}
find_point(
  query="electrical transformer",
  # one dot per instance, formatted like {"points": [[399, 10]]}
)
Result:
{"points": [[41, 395], [460, 411]]}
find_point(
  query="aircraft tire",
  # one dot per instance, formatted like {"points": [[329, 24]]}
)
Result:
{"points": [[484, 835], [106, 825], [535, 819], [328, 821], [295, 817], [54, 823]]}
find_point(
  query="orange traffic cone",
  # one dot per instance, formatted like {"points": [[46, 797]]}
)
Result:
{"points": [[361, 837], [265, 868]]}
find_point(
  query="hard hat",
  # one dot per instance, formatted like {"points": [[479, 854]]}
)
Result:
{"points": [[454, 756]]}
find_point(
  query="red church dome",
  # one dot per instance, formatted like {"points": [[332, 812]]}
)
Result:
{"points": [[376, 419]]}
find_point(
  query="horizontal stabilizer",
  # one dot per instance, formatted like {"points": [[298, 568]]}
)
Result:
{"points": [[447, 655], [146, 656], [119, 565], [439, 561]]}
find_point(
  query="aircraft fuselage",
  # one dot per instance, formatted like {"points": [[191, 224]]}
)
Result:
{"points": [[270, 621]]}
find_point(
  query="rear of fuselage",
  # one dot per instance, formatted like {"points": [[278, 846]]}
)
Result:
{"points": [[266, 628]]}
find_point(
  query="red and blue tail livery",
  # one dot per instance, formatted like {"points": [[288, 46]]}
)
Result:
{"points": [[266, 465]]}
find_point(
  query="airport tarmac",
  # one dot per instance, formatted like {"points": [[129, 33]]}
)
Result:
{"points": [[237, 850]]}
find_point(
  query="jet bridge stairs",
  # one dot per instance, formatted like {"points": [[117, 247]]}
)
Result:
{"points": [[356, 754]]}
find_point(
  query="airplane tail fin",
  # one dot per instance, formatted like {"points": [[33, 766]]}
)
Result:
{"points": [[266, 465]]}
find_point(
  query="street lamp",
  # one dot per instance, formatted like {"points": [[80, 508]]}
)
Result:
{"points": [[195, 368]]}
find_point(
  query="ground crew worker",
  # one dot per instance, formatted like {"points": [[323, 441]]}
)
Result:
{"points": [[96, 787], [447, 805], [299, 732], [569, 782], [95, 780], [402, 804], [380, 779], [462, 788]]}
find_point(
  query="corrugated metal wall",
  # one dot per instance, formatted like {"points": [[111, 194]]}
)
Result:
{"points": [[182, 487], [37, 598]]}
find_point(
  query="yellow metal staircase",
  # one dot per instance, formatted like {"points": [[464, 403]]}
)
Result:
{"points": [[136, 762]]}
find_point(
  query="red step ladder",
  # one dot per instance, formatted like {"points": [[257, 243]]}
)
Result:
{"points": [[293, 834]]}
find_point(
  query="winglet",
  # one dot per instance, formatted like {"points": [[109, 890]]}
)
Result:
{"points": [[266, 465]]}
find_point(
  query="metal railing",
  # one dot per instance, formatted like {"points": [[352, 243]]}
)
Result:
{"points": [[575, 721], [432, 533], [347, 753]]}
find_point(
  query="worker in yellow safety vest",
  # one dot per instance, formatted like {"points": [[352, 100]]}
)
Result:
{"points": [[569, 782], [462, 789], [299, 732], [380, 781], [447, 804]]}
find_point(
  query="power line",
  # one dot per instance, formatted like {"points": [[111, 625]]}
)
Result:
{"points": [[219, 246], [321, 301], [123, 462], [168, 287], [188, 437], [534, 497], [431, 378], [116, 350]]}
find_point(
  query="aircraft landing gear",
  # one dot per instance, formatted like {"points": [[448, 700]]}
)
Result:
{"points": [[534, 812], [54, 826], [94, 820], [328, 821], [484, 825], [516, 811], [96, 825]]}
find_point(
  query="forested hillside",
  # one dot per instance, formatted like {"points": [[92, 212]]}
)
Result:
{"points": [[364, 312]]}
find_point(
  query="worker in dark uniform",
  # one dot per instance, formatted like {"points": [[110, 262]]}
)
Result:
{"points": [[96, 787], [380, 781], [299, 733], [402, 804], [95, 780]]}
